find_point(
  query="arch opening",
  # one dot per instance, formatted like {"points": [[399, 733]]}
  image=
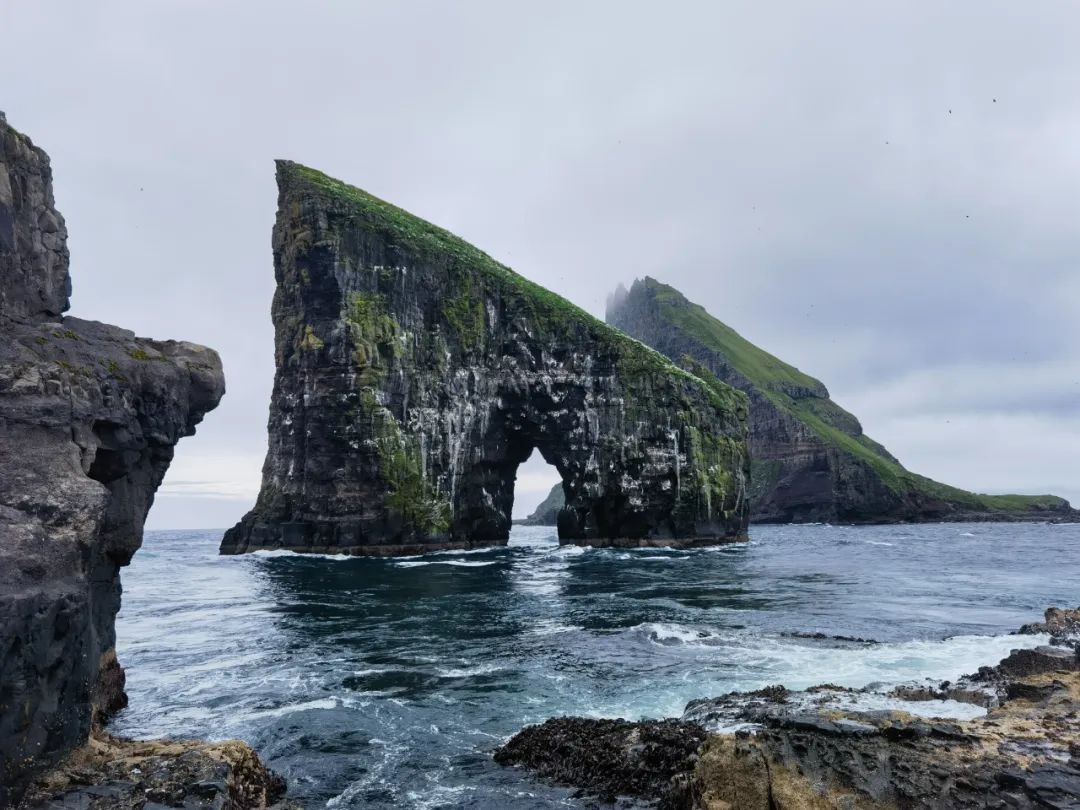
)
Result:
{"points": [[538, 492]]}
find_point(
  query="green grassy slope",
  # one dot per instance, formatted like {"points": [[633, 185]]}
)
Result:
{"points": [[806, 398], [551, 312]]}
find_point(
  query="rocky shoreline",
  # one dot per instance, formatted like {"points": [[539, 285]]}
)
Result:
{"points": [[109, 773], [830, 747]]}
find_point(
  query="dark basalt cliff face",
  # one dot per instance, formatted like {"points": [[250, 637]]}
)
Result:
{"points": [[811, 460], [414, 374], [89, 415]]}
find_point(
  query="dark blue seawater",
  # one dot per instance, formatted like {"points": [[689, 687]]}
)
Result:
{"points": [[388, 683]]}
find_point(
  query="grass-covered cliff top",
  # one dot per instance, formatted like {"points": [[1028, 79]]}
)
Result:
{"points": [[553, 313], [765, 371], [811, 404]]}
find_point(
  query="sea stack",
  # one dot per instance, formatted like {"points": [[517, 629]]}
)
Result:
{"points": [[89, 416], [415, 373], [812, 462]]}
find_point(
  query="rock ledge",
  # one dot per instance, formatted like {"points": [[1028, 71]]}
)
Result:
{"points": [[825, 749]]}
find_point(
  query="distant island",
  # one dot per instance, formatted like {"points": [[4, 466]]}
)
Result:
{"points": [[811, 461]]}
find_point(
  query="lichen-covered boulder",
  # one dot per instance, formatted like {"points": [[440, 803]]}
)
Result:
{"points": [[414, 374]]}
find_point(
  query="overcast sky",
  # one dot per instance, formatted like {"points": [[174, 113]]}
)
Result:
{"points": [[884, 194]]}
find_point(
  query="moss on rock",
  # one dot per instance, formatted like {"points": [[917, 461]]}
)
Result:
{"points": [[441, 370]]}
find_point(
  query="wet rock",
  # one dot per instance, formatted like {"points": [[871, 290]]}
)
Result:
{"points": [[983, 689], [1061, 624], [735, 708], [1021, 663], [89, 417], [609, 758], [839, 757], [827, 637], [826, 748], [112, 774], [1034, 692], [415, 373]]}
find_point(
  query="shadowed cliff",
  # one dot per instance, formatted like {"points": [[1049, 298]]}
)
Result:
{"points": [[89, 415]]}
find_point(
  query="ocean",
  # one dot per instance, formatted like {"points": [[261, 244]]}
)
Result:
{"points": [[382, 683]]}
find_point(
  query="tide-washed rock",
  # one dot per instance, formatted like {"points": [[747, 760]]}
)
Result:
{"points": [[1061, 624], [835, 748], [89, 416], [112, 774], [1021, 755], [811, 459], [609, 758], [415, 373], [1021, 663]]}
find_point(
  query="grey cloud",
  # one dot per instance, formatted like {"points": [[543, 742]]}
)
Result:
{"points": [[736, 150]]}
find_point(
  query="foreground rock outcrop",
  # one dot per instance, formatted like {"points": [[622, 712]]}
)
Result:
{"points": [[829, 748], [89, 416], [113, 774], [811, 460], [610, 758], [415, 373]]}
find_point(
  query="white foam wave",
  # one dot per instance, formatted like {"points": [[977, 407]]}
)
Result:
{"points": [[305, 706], [554, 628], [458, 563], [440, 796], [283, 552], [869, 702], [665, 633], [481, 550], [375, 774], [798, 666], [651, 553], [468, 672], [744, 660]]}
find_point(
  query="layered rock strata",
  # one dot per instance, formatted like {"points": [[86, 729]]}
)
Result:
{"points": [[414, 375], [89, 417], [828, 748], [811, 460]]}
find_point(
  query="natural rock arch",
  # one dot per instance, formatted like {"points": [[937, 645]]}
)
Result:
{"points": [[414, 374]]}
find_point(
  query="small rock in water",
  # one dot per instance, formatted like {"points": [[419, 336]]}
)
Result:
{"points": [[608, 758]]}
